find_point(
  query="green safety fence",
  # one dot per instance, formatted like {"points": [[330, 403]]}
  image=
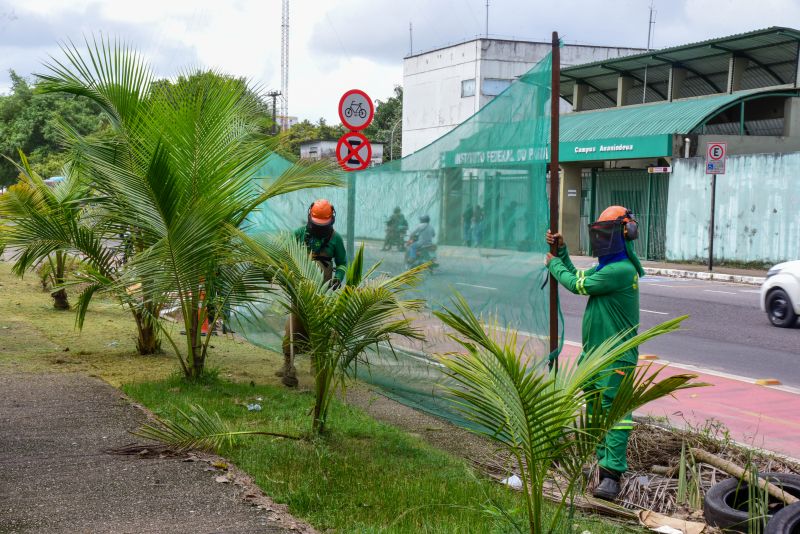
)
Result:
{"points": [[484, 187]]}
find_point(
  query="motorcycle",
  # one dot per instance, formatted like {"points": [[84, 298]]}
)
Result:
{"points": [[424, 255], [395, 237]]}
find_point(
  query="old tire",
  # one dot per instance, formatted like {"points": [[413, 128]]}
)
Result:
{"points": [[779, 309], [785, 521], [725, 504]]}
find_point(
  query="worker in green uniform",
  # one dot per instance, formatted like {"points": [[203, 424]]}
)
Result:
{"points": [[613, 308], [327, 249]]}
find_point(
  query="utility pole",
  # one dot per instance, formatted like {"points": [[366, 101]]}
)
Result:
{"points": [[651, 21], [410, 39], [274, 95]]}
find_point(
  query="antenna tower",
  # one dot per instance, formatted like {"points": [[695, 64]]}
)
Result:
{"points": [[285, 64]]}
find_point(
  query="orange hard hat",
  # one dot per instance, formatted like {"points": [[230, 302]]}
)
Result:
{"points": [[321, 212], [615, 213]]}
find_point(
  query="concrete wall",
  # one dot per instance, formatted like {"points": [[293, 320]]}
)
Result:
{"points": [[750, 144], [757, 209], [432, 101]]}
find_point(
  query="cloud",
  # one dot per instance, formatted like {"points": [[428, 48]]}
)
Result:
{"points": [[340, 44], [28, 39]]}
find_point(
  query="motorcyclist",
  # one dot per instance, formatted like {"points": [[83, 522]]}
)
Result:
{"points": [[421, 237], [396, 227], [327, 249], [612, 309]]}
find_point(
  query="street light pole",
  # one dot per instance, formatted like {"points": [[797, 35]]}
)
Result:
{"points": [[391, 139]]}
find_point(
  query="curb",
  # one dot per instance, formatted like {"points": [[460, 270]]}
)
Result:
{"points": [[703, 275]]}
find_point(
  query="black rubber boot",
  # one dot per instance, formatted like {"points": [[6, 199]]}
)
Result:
{"points": [[609, 487]]}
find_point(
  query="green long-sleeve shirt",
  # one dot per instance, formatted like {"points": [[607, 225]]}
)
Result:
{"points": [[333, 249], [613, 293]]}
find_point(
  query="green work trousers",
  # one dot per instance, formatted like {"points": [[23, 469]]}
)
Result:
{"points": [[612, 450]]}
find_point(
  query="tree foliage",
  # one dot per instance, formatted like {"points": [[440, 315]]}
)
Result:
{"points": [[388, 116], [29, 122], [174, 174], [307, 131]]}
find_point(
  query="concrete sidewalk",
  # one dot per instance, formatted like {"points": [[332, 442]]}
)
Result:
{"points": [[693, 271], [53, 429]]}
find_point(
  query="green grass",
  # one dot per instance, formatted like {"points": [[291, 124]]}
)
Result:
{"points": [[363, 476]]}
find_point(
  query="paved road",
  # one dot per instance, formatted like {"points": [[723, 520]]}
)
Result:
{"points": [[726, 331]]}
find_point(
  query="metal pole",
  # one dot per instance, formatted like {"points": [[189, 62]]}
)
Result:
{"points": [[487, 19], [391, 139], [351, 214], [650, 23], [711, 226], [555, 190]]}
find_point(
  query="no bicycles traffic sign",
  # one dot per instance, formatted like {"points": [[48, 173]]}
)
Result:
{"points": [[356, 110]]}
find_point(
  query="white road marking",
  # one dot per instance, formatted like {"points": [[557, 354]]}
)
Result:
{"points": [[749, 291], [716, 291], [479, 287], [661, 285], [651, 311]]}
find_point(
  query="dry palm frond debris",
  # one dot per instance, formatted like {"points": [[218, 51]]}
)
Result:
{"points": [[652, 481]]}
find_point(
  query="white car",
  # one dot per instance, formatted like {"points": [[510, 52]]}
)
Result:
{"points": [[780, 294]]}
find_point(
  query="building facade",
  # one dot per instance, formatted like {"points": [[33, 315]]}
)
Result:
{"points": [[444, 87], [658, 111]]}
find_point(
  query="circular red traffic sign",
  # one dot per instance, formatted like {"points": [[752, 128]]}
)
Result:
{"points": [[353, 151], [356, 109], [716, 151]]}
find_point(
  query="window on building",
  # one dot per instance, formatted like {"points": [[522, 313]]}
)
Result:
{"points": [[495, 86], [467, 88]]}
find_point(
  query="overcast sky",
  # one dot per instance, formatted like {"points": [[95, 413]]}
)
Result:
{"points": [[339, 44]]}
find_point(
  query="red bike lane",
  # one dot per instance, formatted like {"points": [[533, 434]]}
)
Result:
{"points": [[758, 416]]}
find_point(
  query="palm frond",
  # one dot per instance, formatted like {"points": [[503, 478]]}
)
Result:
{"points": [[197, 430]]}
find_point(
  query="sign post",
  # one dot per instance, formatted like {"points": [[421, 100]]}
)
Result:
{"points": [[554, 193], [354, 151], [716, 154]]}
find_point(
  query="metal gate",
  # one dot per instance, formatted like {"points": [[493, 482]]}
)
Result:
{"points": [[643, 193]]}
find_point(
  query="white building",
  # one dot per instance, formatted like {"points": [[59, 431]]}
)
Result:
{"points": [[326, 149], [286, 122], [444, 87]]}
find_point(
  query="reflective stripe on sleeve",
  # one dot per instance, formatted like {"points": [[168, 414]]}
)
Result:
{"points": [[625, 424], [579, 286]]}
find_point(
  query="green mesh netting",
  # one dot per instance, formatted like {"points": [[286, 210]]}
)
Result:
{"points": [[484, 187]]}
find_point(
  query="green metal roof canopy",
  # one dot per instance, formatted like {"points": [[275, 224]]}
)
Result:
{"points": [[771, 53], [643, 131]]}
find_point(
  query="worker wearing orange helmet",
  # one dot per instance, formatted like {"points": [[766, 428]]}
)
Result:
{"points": [[327, 249], [613, 309]]}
